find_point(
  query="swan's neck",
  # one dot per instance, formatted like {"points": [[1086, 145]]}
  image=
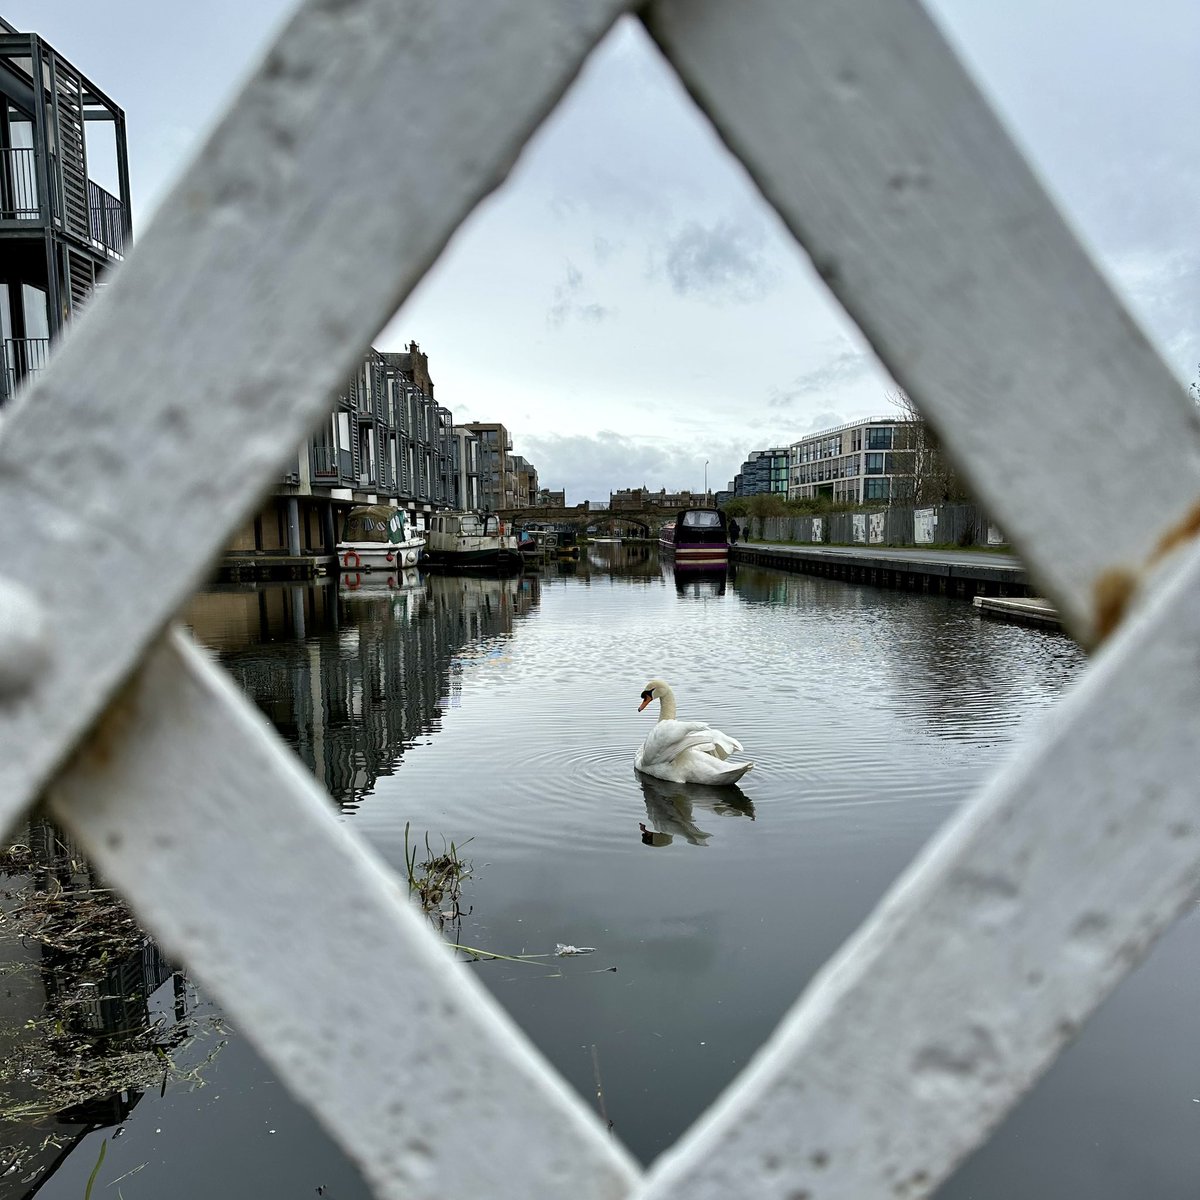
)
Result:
{"points": [[666, 704]]}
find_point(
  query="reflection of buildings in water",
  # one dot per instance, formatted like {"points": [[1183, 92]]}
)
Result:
{"points": [[368, 669], [930, 657], [623, 560], [234, 616], [670, 809], [955, 675], [482, 610], [79, 1042]]}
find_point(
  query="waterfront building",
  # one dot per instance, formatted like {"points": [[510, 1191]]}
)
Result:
{"points": [[861, 462], [526, 479], [387, 441], [59, 227], [497, 478], [764, 472], [548, 499], [465, 486], [631, 499]]}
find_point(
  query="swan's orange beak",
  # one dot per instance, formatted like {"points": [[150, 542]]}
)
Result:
{"points": [[644, 703]]}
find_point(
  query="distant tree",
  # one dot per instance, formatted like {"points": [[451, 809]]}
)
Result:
{"points": [[933, 478], [767, 504]]}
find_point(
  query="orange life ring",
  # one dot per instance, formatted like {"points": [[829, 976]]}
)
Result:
{"points": [[351, 554]]}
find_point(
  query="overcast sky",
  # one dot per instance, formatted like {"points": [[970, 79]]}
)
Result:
{"points": [[626, 303]]}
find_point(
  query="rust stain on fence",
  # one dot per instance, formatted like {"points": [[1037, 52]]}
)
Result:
{"points": [[1115, 587]]}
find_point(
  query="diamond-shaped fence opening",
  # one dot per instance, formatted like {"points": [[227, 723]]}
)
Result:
{"points": [[244, 307]]}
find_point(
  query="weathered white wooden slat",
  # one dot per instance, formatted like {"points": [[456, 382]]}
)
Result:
{"points": [[988, 954], [250, 300], [866, 134], [316, 205], [231, 854]]}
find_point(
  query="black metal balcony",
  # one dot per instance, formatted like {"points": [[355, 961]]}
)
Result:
{"points": [[106, 219], [331, 464], [20, 199], [21, 357]]}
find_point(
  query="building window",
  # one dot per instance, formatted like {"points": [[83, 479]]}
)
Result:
{"points": [[876, 489], [874, 464], [879, 437]]}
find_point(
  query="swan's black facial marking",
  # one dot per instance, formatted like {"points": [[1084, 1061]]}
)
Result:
{"points": [[647, 696]]}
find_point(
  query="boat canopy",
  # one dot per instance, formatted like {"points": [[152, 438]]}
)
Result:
{"points": [[704, 526], [374, 523]]}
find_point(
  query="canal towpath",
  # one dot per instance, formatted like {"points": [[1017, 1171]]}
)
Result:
{"points": [[997, 581]]}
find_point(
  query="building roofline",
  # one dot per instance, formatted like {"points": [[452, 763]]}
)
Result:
{"points": [[808, 437], [93, 96]]}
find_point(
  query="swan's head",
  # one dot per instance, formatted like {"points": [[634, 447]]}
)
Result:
{"points": [[654, 690]]}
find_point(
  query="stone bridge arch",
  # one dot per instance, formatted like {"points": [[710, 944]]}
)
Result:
{"points": [[645, 521]]}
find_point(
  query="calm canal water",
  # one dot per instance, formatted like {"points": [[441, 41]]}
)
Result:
{"points": [[502, 715]]}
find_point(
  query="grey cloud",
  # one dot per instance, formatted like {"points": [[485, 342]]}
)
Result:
{"points": [[590, 466], [567, 302], [1161, 287], [846, 366], [827, 419], [604, 249], [720, 264]]}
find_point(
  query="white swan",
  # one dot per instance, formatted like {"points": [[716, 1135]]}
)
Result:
{"points": [[685, 751]]}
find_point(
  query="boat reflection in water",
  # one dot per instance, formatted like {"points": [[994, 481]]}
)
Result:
{"points": [[701, 583], [372, 583], [670, 809]]}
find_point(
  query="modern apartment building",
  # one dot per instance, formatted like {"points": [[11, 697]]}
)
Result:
{"points": [[388, 437], [497, 477], [59, 228], [860, 462], [465, 488], [387, 441], [764, 471]]}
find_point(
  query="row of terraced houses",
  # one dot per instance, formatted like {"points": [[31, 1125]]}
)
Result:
{"points": [[65, 219]]}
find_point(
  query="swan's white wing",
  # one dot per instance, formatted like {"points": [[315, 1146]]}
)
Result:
{"points": [[668, 739], [722, 744]]}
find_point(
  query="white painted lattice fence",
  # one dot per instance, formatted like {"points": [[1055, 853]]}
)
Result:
{"points": [[223, 336]]}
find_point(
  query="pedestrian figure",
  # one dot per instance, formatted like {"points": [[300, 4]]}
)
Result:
{"points": [[735, 532]]}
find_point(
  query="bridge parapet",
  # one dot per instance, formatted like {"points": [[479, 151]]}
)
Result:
{"points": [[647, 520]]}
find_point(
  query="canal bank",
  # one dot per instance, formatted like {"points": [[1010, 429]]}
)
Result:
{"points": [[963, 573]]}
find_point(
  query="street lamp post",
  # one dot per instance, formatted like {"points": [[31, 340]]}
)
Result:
{"points": [[706, 478]]}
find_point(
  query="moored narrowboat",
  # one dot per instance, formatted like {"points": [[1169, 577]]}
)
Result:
{"points": [[698, 537], [568, 542]]}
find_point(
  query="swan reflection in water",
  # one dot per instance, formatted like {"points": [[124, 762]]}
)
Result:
{"points": [[670, 808]]}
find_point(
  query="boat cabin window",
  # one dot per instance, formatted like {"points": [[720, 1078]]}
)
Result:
{"points": [[701, 520]]}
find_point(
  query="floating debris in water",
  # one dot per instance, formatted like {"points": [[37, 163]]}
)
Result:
{"points": [[562, 951]]}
